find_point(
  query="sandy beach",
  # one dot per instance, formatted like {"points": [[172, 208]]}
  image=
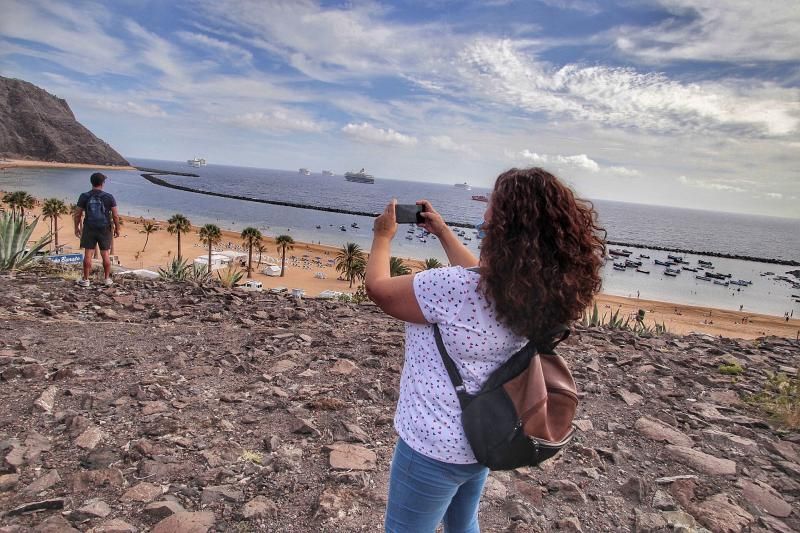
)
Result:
{"points": [[310, 267], [24, 163]]}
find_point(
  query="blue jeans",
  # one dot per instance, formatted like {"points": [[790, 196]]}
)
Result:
{"points": [[424, 492]]}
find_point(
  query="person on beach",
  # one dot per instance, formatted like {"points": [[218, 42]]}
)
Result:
{"points": [[94, 229], [539, 267]]}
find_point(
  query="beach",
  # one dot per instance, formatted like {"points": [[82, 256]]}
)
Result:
{"points": [[25, 163], [310, 267]]}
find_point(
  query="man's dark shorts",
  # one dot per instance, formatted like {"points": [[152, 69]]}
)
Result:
{"points": [[91, 237]]}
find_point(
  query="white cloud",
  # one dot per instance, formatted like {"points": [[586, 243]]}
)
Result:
{"points": [[368, 133], [775, 195], [733, 31], [623, 97], [276, 120], [581, 161], [445, 142], [228, 50], [129, 107], [714, 185]]}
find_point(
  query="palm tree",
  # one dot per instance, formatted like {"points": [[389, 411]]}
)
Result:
{"points": [[10, 199], [178, 224], [251, 237], [284, 242], [148, 228], [53, 208], [430, 263], [24, 201], [261, 247], [397, 267], [351, 262], [210, 235]]}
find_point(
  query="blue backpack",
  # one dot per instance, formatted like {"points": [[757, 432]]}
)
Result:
{"points": [[96, 212]]}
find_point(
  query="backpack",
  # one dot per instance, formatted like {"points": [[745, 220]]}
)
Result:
{"points": [[523, 413], [96, 212]]}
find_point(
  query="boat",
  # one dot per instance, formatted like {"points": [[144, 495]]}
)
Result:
{"points": [[617, 267], [673, 270], [319, 227], [464, 185], [621, 265], [480, 198], [342, 228], [359, 177], [327, 173], [409, 238], [723, 283], [704, 263], [304, 172], [676, 258], [642, 256], [624, 253], [629, 263], [643, 271], [703, 278], [670, 273], [196, 162], [739, 282], [663, 263], [354, 225], [690, 269]]}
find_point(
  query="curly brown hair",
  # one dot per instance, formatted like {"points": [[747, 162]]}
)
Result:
{"points": [[542, 254]]}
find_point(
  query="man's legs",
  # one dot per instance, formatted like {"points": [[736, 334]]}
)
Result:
{"points": [[105, 254], [87, 262]]}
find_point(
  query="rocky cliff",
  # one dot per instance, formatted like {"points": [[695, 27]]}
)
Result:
{"points": [[34, 124], [197, 408]]}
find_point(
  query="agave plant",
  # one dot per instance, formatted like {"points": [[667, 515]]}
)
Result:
{"points": [[177, 270], [229, 276], [199, 273], [14, 236]]}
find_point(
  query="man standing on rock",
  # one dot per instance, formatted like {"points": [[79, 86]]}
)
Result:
{"points": [[94, 229]]}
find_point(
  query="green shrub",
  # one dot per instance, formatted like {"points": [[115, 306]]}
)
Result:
{"points": [[731, 369], [780, 398], [229, 276]]}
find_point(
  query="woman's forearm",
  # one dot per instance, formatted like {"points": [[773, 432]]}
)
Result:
{"points": [[378, 263], [457, 253]]}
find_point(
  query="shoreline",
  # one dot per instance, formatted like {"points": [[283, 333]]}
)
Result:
{"points": [[25, 163], [309, 267]]}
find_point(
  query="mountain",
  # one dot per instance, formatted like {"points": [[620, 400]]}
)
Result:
{"points": [[34, 124]]}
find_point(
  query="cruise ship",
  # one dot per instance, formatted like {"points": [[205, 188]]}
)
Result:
{"points": [[304, 172], [464, 185], [196, 162], [327, 173], [359, 177]]}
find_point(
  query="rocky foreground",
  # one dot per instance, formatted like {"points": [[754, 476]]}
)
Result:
{"points": [[161, 407]]}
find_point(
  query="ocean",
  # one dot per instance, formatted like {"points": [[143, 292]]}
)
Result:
{"points": [[646, 225]]}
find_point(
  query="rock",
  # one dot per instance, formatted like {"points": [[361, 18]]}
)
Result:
{"points": [[259, 507], [630, 398], [283, 366], [663, 501], [570, 524], [348, 432], [645, 522], [186, 522], [787, 450], [703, 462], [680, 521], [584, 425], [518, 511], [494, 489], [89, 439], [47, 400], [8, 482], [32, 507], [42, 483], [54, 524], [163, 509], [672, 479], [142, 492], [97, 478], [633, 490], [764, 498], [568, 490], [304, 426], [344, 367], [218, 493], [720, 514], [114, 526], [351, 457], [773, 524], [729, 440], [661, 432], [99, 458], [151, 408], [683, 491], [91, 509]]}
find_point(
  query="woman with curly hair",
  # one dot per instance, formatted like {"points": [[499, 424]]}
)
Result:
{"points": [[539, 268]]}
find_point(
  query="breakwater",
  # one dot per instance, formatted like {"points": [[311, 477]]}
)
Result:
{"points": [[150, 175], [166, 172]]}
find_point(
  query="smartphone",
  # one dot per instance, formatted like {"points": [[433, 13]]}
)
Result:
{"points": [[408, 214]]}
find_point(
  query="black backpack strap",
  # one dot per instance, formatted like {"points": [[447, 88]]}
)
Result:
{"points": [[452, 371], [553, 338]]}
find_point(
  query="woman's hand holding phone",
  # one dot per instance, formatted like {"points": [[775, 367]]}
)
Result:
{"points": [[386, 224], [433, 221]]}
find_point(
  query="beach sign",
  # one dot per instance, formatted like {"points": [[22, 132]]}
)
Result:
{"points": [[65, 258]]}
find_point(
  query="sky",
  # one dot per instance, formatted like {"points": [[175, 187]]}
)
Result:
{"points": [[686, 103]]}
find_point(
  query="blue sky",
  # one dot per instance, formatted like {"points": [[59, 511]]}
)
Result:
{"points": [[689, 103]]}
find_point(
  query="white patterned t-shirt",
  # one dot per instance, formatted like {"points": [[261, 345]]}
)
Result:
{"points": [[428, 416]]}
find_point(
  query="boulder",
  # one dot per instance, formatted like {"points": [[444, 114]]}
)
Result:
{"points": [[701, 461]]}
